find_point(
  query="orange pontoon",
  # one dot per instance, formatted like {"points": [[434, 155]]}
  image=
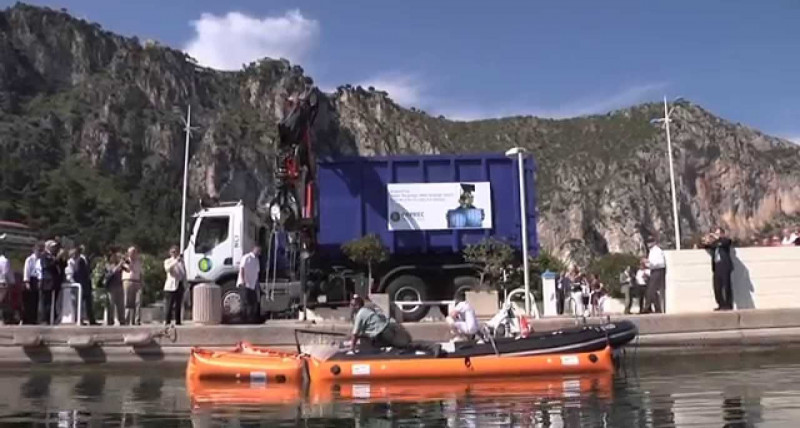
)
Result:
{"points": [[246, 362], [467, 367]]}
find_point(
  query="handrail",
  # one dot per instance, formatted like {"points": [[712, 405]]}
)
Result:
{"points": [[66, 286]]}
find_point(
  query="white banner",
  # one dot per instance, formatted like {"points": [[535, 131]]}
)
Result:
{"points": [[439, 206]]}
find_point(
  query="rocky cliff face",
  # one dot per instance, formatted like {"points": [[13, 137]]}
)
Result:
{"points": [[91, 118]]}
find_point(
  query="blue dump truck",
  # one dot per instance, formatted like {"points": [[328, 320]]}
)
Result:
{"points": [[425, 210]]}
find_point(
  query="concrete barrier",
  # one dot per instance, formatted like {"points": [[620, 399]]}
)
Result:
{"points": [[763, 278]]}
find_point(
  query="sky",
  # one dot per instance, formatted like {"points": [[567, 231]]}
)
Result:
{"points": [[477, 59]]}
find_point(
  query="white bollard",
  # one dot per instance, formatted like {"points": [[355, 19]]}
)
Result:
{"points": [[550, 300]]}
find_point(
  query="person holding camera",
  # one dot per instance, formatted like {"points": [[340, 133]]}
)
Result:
{"points": [[132, 285], [112, 282], [173, 286], [719, 246]]}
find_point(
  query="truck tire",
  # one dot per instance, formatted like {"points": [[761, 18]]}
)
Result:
{"points": [[462, 284], [409, 288], [233, 303]]}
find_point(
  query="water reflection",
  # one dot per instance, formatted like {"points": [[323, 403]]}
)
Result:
{"points": [[734, 391]]}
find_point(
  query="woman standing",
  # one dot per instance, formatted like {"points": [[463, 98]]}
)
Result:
{"points": [[113, 284], [132, 284], [173, 286]]}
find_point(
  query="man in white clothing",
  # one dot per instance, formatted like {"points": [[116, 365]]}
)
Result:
{"points": [[462, 320], [789, 237], [173, 285], [249, 269], [30, 276], [657, 263], [6, 281]]}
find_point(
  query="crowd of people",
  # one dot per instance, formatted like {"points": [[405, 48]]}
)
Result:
{"points": [[580, 292], [647, 281], [790, 236], [51, 273]]}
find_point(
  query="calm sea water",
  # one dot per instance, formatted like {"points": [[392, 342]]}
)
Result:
{"points": [[730, 389]]}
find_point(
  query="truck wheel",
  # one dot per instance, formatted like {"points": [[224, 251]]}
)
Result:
{"points": [[462, 284], [409, 288], [233, 304]]}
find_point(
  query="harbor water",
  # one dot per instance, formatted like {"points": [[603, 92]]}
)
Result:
{"points": [[733, 389]]}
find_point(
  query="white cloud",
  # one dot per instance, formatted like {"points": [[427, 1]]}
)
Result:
{"points": [[405, 89], [226, 42], [795, 140], [589, 105]]}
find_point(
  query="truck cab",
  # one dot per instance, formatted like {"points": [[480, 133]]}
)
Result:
{"points": [[220, 237]]}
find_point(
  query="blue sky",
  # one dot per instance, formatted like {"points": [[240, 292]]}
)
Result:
{"points": [[473, 59]]}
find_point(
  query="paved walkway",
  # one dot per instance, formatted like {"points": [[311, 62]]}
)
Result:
{"points": [[702, 332]]}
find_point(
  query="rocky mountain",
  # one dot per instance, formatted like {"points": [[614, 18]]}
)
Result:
{"points": [[92, 145]]}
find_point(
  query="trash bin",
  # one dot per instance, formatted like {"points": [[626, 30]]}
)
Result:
{"points": [[207, 304]]}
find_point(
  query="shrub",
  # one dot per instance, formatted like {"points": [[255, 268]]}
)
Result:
{"points": [[153, 277], [493, 257], [545, 261]]}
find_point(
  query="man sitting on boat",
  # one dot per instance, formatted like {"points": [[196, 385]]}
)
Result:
{"points": [[380, 331], [462, 320]]}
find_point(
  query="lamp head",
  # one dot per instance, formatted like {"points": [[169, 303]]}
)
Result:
{"points": [[515, 151]]}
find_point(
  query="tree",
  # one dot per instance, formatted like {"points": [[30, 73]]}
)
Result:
{"points": [[366, 251], [492, 256]]}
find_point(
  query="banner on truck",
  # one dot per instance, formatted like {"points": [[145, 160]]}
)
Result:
{"points": [[439, 206]]}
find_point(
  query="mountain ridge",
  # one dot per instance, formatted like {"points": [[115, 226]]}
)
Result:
{"points": [[104, 111]]}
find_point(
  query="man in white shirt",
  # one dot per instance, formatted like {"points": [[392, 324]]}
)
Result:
{"points": [[30, 276], [6, 281], [640, 282], [789, 237], [657, 263], [173, 286], [249, 269], [462, 320]]}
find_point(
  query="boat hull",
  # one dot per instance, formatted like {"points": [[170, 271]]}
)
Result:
{"points": [[467, 367]]}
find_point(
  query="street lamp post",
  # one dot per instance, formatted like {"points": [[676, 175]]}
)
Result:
{"points": [[666, 121], [519, 153], [188, 130]]}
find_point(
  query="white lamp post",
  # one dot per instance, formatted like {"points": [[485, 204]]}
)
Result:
{"points": [[188, 130], [519, 153], [666, 121]]}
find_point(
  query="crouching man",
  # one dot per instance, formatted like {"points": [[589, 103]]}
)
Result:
{"points": [[371, 325], [462, 321]]}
